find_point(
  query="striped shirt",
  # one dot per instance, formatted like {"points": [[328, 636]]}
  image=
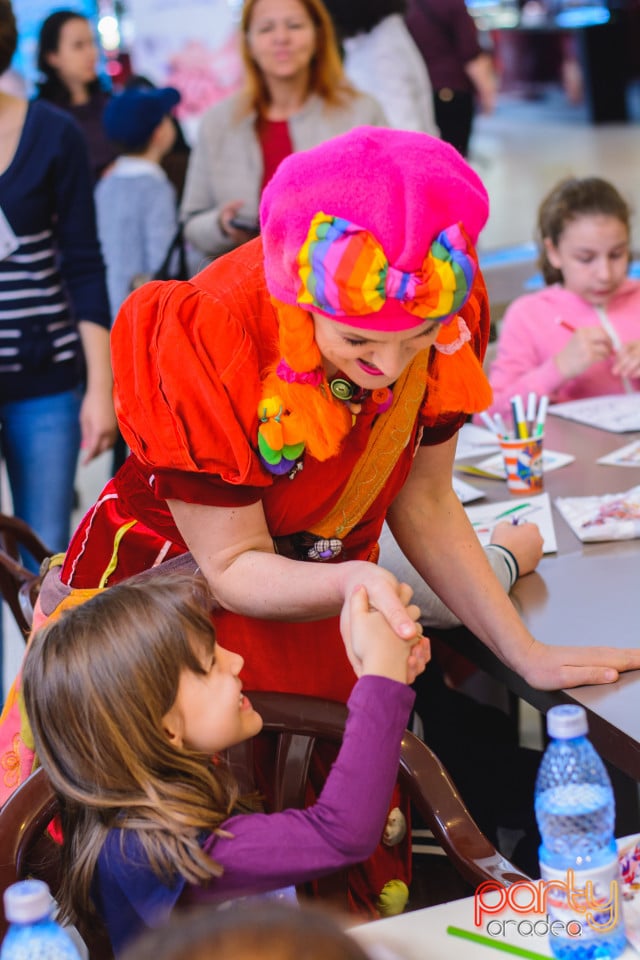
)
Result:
{"points": [[55, 275]]}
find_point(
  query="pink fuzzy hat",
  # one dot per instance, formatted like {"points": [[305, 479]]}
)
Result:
{"points": [[374, 228]]}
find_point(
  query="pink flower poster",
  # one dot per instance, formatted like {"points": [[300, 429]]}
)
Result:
{"points": [[191, 45]]}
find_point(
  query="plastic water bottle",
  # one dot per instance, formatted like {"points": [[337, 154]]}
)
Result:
{"points": [[33, 934], [575, 811]]}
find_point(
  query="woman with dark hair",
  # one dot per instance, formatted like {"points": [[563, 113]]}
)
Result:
{"points": [[381, 58], [295, 96], [67, 60], [55, 372]]}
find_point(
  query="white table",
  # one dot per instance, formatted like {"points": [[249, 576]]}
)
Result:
{"points": [[422, 934]]}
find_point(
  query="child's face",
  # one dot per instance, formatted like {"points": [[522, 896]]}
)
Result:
{"points": [[210, 712], [593, 255]]}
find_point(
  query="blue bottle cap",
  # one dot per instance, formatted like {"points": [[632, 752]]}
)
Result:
{"points": [[27, 901], [567, 721]]}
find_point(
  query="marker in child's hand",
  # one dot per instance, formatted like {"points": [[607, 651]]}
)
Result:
{"points": [[565, 324]]}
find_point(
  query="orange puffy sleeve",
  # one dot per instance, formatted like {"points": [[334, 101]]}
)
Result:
{"points": [[187, 384]]}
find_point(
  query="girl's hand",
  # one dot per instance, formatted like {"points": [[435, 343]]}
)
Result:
{"points": [[373, 647], [627, 362], [98, 424], [587, 346], [385, 593]]}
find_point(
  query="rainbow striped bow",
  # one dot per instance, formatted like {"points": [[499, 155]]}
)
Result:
{"points": [[345, 273]]}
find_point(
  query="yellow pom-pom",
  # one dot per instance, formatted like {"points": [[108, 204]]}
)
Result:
{"points": [[269, 407], [393, 898]]}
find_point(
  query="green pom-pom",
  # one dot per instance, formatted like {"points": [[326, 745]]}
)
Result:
{"points": [[271, 456], [293, 451]]}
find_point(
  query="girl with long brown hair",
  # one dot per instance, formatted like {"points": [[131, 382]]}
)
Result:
{"points": [[130, 698]]}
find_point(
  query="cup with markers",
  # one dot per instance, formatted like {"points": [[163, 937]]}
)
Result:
{"points": [[522, 442]]}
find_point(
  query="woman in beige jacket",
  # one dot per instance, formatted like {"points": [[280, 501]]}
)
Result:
{"points": [[295, 96]]}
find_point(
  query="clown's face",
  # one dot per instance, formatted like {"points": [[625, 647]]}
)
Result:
{"points": [[370, 358]]}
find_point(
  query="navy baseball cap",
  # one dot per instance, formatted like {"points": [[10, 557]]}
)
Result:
{"points": [[130, 117]]}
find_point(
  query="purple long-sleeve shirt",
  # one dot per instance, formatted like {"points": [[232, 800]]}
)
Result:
{"points": [[269, 851]]}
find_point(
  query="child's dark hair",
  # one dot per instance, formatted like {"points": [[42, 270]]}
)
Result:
{"points": [[570, 199], [52, 88], [97, 683], [8, 35]]}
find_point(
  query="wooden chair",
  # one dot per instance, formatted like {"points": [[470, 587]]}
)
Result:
{"points": [[293, 724], [296, 723], [18, 585], [27, 850]]}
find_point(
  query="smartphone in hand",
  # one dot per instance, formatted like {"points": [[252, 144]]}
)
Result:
{"points": [[243, 223]]}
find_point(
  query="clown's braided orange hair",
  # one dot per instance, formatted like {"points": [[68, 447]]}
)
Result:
{"points": [[319, 420]]}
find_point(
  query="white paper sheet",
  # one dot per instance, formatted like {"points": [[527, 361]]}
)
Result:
{"points": [[475, 441], [628, 456], [612, 516], [466, 492], [619, 413], [535, 509], [494, 466]]}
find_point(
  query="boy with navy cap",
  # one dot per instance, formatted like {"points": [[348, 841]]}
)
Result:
{"points": [[135, 201]]}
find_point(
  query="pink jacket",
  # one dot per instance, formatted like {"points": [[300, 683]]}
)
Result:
{"points": [[530, 337]]}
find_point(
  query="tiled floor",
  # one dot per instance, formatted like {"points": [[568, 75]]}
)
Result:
{"points": [[526, 146]]}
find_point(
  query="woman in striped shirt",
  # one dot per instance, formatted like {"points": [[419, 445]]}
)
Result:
{"points": [[55, 375]]}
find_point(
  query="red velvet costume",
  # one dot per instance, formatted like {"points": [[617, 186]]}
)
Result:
{"points": [[188, 359]]}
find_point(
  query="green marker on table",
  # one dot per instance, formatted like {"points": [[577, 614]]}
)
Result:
{"points": [[496, 944]]}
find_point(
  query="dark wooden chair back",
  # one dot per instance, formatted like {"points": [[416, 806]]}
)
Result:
{"points": [[296, 724], [18, 585]]}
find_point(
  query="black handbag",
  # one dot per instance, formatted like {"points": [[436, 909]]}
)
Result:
{"points": [[174, 264]]}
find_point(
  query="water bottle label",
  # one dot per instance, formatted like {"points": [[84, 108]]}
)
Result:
{"points": [[587, 902]]}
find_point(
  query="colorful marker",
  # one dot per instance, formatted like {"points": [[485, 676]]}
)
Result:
{"points": [[542, 415], [500, 424], [519, 422]]}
